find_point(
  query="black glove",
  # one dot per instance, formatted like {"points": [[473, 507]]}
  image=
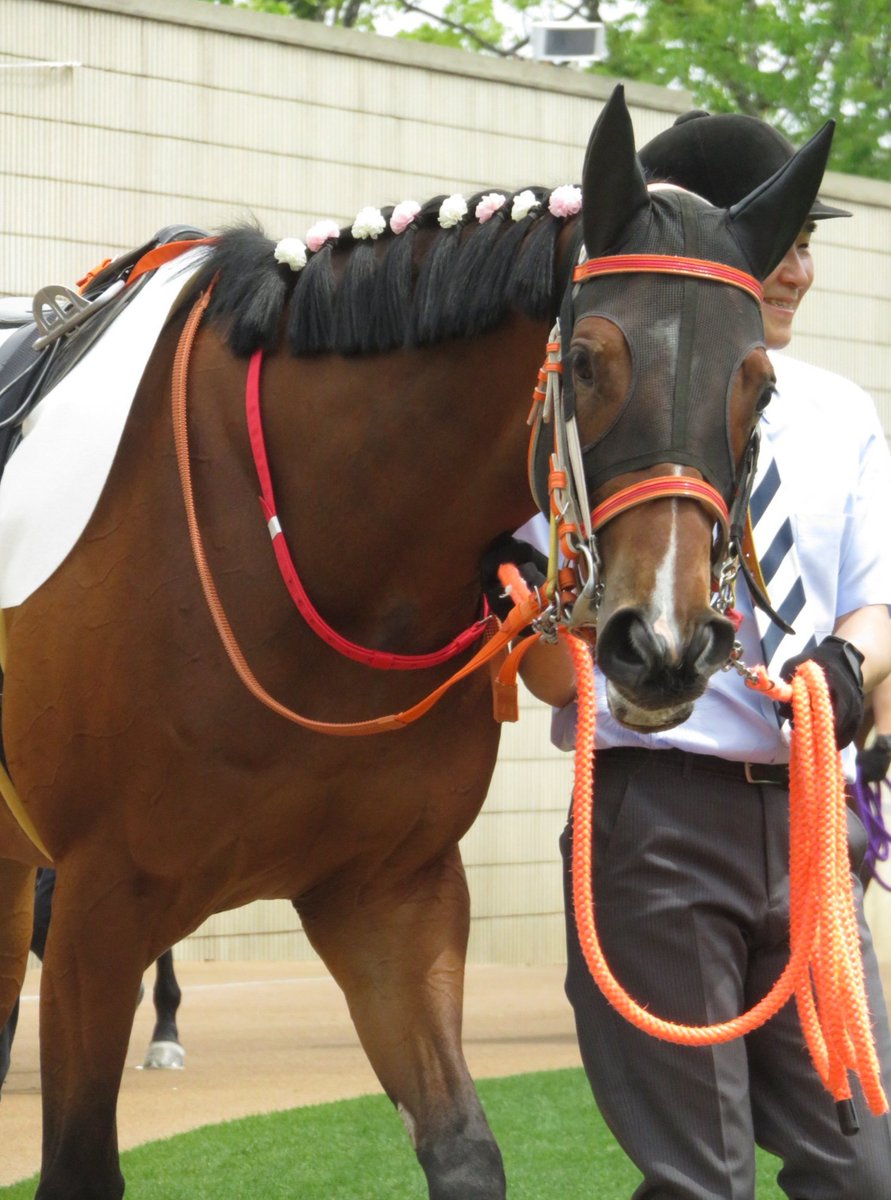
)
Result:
{"points": [[531, 563], [841, 665], [873, 761]]}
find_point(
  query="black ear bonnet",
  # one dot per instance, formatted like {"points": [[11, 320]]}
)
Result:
{"points": [[676, 330], [687, 336]]}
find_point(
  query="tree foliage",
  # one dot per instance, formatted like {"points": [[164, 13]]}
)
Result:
{"points": [[794, 63]]}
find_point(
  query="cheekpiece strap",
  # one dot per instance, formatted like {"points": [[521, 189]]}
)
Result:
{"points": [[668, 264]]}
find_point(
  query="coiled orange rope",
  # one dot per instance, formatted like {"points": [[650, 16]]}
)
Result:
{"points": [[825, 971]]}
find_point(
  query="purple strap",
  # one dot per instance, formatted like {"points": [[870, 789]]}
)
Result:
{"points": [[869, 809]]}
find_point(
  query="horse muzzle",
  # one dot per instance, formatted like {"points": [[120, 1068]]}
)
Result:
{"points": [[655, 674]]}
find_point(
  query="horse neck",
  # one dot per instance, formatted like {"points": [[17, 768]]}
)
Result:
{"points": [[404, 465]]}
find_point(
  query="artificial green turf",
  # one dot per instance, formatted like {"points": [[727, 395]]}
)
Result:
{"points": [[553, 1141]]}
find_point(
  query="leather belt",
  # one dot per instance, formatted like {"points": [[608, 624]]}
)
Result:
{"points": [[686, 762]]}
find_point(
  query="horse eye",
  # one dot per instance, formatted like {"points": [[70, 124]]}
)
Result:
{"points": [[582, 366], [765, 398]]}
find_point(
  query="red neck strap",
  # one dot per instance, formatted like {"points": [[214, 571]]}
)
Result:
{"points": [[668, 264], [371, 658]]}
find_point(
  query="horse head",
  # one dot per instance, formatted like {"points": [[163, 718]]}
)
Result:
{"points": [[665, 373]]}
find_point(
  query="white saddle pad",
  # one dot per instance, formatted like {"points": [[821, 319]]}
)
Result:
{"points": [[53, 481]]}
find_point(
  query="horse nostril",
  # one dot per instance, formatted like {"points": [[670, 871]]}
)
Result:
{"points": [[628, 649], [710, 644], [634, 655]]}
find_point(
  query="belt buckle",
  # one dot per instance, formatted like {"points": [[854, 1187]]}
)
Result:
{"points": [[773, 773]]}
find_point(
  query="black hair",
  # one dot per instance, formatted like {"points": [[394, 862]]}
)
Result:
{"points": [[366, 296]]}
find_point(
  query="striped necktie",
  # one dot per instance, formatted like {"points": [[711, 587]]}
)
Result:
{"points": [[775, 547]]}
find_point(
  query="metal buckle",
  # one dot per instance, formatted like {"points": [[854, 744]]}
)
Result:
{"points": [[765, 773], [58, 310]]}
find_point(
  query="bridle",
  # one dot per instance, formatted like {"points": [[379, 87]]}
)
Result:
{"points": [[577, 526]]}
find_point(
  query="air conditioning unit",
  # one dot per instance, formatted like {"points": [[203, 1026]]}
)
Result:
{"points": [[568, 41]]}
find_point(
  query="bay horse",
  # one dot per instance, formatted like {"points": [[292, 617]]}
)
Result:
{"points": [[396, 372]]}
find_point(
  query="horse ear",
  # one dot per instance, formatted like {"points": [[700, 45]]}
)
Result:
{"points": [[613, 183], [768, 220]]}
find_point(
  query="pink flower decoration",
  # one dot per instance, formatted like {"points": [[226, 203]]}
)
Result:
{"points": [[322, 232], [488, 206], [403, 215], [565, 201]]}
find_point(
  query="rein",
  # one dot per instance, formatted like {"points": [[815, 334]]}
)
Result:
{"points": [[380, 659], [490, 652], [825, 970]]}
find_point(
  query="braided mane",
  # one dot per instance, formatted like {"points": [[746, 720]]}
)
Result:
{"points": [[362, 296]]}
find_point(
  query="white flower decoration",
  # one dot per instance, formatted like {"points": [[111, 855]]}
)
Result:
{"points": [[452, 211], [369, 223], [523, 204], [292, 252]]}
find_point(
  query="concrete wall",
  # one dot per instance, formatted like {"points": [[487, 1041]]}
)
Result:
{"points": [[178, 111], [182, 111]]}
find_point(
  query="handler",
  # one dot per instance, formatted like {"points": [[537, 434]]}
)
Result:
{"points": [[691, 825]]}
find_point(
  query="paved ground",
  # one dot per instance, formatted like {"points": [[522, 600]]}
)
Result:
{"points": [[266, 1036]]}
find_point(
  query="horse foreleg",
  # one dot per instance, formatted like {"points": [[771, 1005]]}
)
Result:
{"points": [[16, 916], [398, 953], [165, 1051], [95, 956]]}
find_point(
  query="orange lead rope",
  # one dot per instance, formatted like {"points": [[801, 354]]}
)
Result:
{"points": [[825, 970]]}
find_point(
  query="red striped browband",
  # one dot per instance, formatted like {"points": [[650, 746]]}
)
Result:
{"points": [[660, 487], [668, 264]]}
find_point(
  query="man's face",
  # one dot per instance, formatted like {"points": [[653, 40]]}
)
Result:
{"points": [[785, 288]]}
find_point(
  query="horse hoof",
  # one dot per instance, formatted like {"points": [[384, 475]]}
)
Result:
{"points": [[165, 1056]]}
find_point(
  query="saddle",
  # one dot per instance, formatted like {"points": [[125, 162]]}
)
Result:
{"points": [[41, 342]]}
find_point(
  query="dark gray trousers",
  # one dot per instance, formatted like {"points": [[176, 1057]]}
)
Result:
{"points": [[692, 908]]}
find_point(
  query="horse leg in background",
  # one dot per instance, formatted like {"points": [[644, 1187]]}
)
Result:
{"points": [[43, 899], [7, 1037], [16, 919], [165, 1051], [96, 953], [399, 958], [43, 909]]}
